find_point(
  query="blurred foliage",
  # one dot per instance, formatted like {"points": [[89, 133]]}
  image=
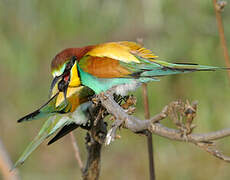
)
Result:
{"points": [[32, 32]]}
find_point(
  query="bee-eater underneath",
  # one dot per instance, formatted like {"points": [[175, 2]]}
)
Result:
{"points": [[124, 65], [66, 115]]}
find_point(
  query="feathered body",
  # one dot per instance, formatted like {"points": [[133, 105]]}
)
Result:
{"points": [[124, 65]]}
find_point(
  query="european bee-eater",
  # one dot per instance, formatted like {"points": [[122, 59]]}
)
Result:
{"points": [[66, 114], [124, 65]]}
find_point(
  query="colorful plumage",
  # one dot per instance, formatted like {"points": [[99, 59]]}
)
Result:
{"points": [[65, 115], [78, 71], [124, 65]]}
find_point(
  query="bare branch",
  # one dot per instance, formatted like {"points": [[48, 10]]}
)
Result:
{"points": [[138, 126], [94, 139], [210, 148], [76, 150], [92, 168]]}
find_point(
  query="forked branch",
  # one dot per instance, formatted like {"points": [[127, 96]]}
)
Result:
{"points": [[182, 115]]}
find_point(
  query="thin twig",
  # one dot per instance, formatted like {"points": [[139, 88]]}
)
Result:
{"points": [[218, 7], [76, 150], [149, 136], [210, 148], [6, 165]]}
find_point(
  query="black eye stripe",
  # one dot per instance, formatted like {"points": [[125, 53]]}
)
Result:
{"points": [[63, 84], [70, 64]]}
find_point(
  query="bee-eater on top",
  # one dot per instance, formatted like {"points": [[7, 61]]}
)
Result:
{"points": [[124, 65]]}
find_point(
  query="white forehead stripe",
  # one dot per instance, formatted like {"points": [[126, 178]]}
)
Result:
{"points": [[56, 73], [59, 72]]}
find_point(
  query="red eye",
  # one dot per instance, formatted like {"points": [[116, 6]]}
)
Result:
{"points": [[66, 78]]}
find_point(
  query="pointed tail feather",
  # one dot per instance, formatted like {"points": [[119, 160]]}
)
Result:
{"points": [[65, 130], [51, 126], [188, 66], [177, 68], [30, 148], [42, 135], [31, 116]]}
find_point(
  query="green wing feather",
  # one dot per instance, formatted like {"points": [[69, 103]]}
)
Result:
{"points": [[156, 68], [106, 66], [51, 126]]}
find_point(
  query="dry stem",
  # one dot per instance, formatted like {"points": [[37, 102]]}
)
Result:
{"points": [[76, 150], [149, 135], [218, 7]]}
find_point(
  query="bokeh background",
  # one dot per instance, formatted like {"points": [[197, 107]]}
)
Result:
{"points": [[32, 32]]}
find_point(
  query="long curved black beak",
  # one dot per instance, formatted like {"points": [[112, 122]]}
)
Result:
{"points": [[63, 83], [54, 82], [62, 86]]}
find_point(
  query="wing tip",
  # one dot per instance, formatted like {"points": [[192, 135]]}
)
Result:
{"points": [[18, 163], [65, 130], [51, 142], [29, 116]]}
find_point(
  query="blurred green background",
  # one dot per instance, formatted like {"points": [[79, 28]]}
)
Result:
{"points": [[32, 32]]}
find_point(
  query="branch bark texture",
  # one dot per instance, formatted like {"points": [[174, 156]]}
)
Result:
{"points": [[202, 140], [95, 138]]}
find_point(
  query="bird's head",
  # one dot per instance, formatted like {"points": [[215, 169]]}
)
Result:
{"points": [[64, 71], [64, 68], [66, 76]]}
